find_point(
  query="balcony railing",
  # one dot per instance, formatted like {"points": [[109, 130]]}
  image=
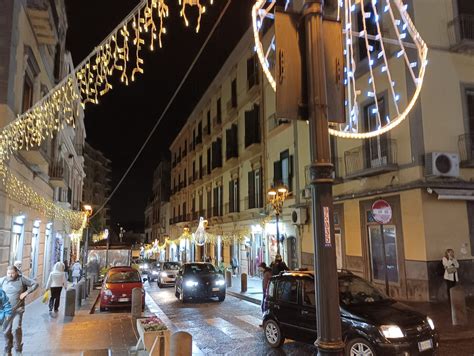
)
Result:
{"points": [[461, 33], [466, 150], [58, 174], [375, 156]]}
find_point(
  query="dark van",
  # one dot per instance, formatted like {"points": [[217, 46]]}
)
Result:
{"points": [[372, 323]]}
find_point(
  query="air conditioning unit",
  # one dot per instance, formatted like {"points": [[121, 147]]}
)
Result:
{"points": [[299, 216], [442, 164]]}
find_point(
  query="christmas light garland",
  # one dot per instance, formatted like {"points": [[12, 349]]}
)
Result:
{"points": [[377, 59], [86, 84]]}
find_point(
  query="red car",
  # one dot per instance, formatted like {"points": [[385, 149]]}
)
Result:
{"points": [[117, 288]]}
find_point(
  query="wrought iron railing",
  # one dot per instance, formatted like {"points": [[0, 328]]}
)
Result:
{"points": [[461, 29], [374, 154]]}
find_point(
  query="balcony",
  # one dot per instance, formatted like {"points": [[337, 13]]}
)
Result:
{"points": [[375, 156], [58, 175], [273, 122], [461, 33], [252, 85], [37, 157], [466, 150], [43, 21]]}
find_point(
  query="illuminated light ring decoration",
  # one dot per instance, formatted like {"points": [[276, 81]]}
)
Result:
{"points": [[200, 237], [262, 10]]}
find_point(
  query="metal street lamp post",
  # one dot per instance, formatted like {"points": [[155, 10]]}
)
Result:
{"points": [[276, 197], [88, 211]]}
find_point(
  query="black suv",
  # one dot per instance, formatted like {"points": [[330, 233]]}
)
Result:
{"points": [[372, 324]]}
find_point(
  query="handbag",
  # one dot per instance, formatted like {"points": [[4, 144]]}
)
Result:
{"points": [[46, 296], [451, 269]]}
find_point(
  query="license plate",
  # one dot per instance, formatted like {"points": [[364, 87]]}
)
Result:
{"points": [[215, 289], [425, 345], [124, 299]]}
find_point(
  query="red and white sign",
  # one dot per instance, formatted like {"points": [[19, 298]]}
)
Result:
{"points": [[382, 211]]}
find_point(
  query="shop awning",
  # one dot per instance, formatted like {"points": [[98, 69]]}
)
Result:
{"points": [[452, 194]]}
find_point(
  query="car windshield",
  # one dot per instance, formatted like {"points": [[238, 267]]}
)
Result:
{"points": [[170, 266], [124, 277], [199, 268], [354, 290]]}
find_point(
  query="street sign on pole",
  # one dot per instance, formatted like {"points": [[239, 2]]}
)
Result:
{"points": [[382, 211]]}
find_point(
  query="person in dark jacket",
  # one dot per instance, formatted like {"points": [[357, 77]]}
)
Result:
{"points": [[266, 276], [278, 265]]}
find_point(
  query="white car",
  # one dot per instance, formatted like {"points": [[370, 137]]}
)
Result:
{"points": [[168, 273]]}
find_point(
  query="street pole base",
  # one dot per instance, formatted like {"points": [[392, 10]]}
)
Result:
{"points": [[329, 348]]}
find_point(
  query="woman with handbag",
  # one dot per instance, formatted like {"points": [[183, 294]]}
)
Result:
{"points": [[451, 266], [56, 282]]}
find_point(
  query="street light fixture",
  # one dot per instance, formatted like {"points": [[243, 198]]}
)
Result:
{"points": [[276, 197], [88, 211]]}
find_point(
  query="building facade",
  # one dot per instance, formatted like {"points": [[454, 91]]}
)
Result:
{"points": [[33, 61], [97, 186]]}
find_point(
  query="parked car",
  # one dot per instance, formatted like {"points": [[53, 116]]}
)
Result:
{"points": [[146, 265], [117, 287], [167, 275], [372, 324], [199, 280]]}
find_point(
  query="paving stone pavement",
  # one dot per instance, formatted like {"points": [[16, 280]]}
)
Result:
{"points": [[45, 335]]}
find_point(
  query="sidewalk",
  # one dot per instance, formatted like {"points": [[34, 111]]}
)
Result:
{"points": [[79, 335], [439, 312]]}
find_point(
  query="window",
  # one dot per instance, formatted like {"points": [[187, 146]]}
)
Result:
{"points": [[27, 100], [219, 111], [35, 237], [470, 215], [233, 93], [194, 170], [217, 153], [287, 291], [470, 111], [16, 244], [371, 26], [218, 201], [465, 7], [200, 167], [252, 72], [47, 252], [309, 298], [209, 203], [376, 149], [234, 203], [383, 252], [252, 126], [201, 205], [255, 189], [185, 175], [209, 167], [199, 133], [208, 128], [231, 143], [283, 170]]}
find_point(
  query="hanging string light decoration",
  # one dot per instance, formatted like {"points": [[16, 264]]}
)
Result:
{"points": [[86, 84], [380, 39]]}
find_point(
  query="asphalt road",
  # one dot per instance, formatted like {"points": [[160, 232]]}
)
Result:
{"points": [[231, 327]]}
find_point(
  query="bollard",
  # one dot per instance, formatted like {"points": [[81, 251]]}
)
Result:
{"points": [[458, 306], [228, 278], [70, 303], [82, 286], [137, 295], [77, 288], [243, 282], [181, 344], [90, 285]]}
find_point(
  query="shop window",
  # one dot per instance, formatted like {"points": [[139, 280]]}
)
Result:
{"points": [[16, 244], [383, 252], [287, 291], [34, 249]]}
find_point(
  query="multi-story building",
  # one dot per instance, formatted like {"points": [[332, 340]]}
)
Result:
{"points": [[34, 60], [97, 186], [160, 199], [148, 222], [423, 168]]}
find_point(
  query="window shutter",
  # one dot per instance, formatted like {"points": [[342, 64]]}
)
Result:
{"points": [[228, 144], [256, 123], [277, 176], [216, 203], [238, 196], [261, 190], [251, 192], [248, 128], [231, 196], [290, 173]]}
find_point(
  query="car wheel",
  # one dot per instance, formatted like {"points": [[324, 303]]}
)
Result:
{"points": [[359, 347], [222, 298], [273, 334]]}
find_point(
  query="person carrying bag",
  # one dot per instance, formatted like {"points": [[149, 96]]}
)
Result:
{"points": [[451, 266]]}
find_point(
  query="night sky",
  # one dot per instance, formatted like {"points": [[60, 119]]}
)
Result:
{"points": [[124, 117]]}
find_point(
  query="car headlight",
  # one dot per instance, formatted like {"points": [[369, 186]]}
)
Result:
{"points": [[220, 282], [431, 322], [164, 274], [391, 331], [108, 292], [191, 284], [154, 272]]}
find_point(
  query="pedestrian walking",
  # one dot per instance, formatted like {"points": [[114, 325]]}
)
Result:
{"points": [[234, 263], [66, 270], [266, 276], [278, 265], [56, 282], [451, 266], [76, 272], [17, 288]]}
